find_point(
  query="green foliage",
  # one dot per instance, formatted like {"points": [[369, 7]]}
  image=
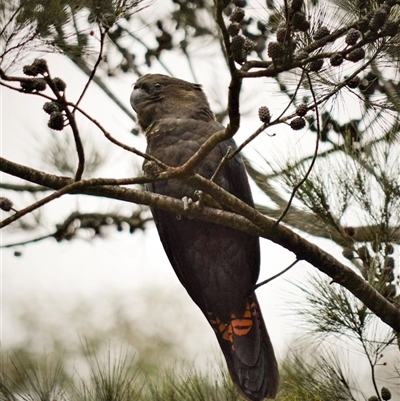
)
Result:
{"points": [[317, 378], [191, 386], [331, 315], [117, 377], [114, 379], [58, 24], [29, 378]]}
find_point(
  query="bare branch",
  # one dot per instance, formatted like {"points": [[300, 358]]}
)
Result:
{"points": [[23, 188], [131, 149], [303, 180], [276, 275], [99, 82], [94, 69], [72, 122], [254, 135], [221, 164]]}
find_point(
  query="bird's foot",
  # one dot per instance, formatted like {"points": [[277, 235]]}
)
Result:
{"points": [[200, 197], [186, 203], [196, 201], [189, 203]]}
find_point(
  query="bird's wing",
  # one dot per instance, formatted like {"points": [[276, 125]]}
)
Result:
{"points": [[235, 172], [197, 244]]}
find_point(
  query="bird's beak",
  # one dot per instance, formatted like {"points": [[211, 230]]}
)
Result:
{"points": [[136, 97]]}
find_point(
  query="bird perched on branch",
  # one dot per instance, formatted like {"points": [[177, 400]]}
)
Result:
{"points": [[217, 265]]}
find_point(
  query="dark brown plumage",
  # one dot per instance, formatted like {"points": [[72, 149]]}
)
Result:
{"points": [[217, 265]]}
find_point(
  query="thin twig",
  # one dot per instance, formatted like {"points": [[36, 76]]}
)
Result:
{"points": [[20, 79], [254, 135], [73, 105], [221, 164], [61, 99], [351, 76], [29, 241], [9, 20], [294, 95], [78, 144], [100, 83], [225, 36], [131, 149], [276, 275], [268, 69], [39, 203], [265, 126], [19, 45], [371, 364], [190, 64], [23, 188], [335, 148], [302, 181], [74, 127], [94, 69]]}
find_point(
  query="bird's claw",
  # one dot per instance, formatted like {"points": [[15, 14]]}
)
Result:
{"points": [[200, 196], [190, 203], [186, 203]]}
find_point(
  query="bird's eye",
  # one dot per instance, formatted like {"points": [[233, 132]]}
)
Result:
{"points": [[157, 85]]}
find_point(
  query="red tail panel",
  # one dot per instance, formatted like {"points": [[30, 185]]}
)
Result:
{"points": [[248, 352]]}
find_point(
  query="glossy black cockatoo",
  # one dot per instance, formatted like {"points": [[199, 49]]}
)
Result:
{"points": [[218, 266]]}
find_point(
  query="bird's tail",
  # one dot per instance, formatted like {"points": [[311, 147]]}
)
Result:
{"points": [[248, 351]]}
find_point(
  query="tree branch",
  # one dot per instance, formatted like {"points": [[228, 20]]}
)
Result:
{"points": [[233, 106], [94, 69], [248, 220], [303, 180], [99, 82], [23, 188]]}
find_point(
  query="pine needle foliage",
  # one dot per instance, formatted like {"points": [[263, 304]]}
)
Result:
{"points": [[117, 377], [332, 310], [307, 375], [114, 379], [24, 377], [191, 385], [56, 25], [335, 320], [320, 379]]}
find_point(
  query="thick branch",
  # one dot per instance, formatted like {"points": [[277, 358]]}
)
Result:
{"points": [[249, 221], [233, 107]]}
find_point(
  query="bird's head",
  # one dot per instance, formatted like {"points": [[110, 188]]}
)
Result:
{"points": [[156, 96]]}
